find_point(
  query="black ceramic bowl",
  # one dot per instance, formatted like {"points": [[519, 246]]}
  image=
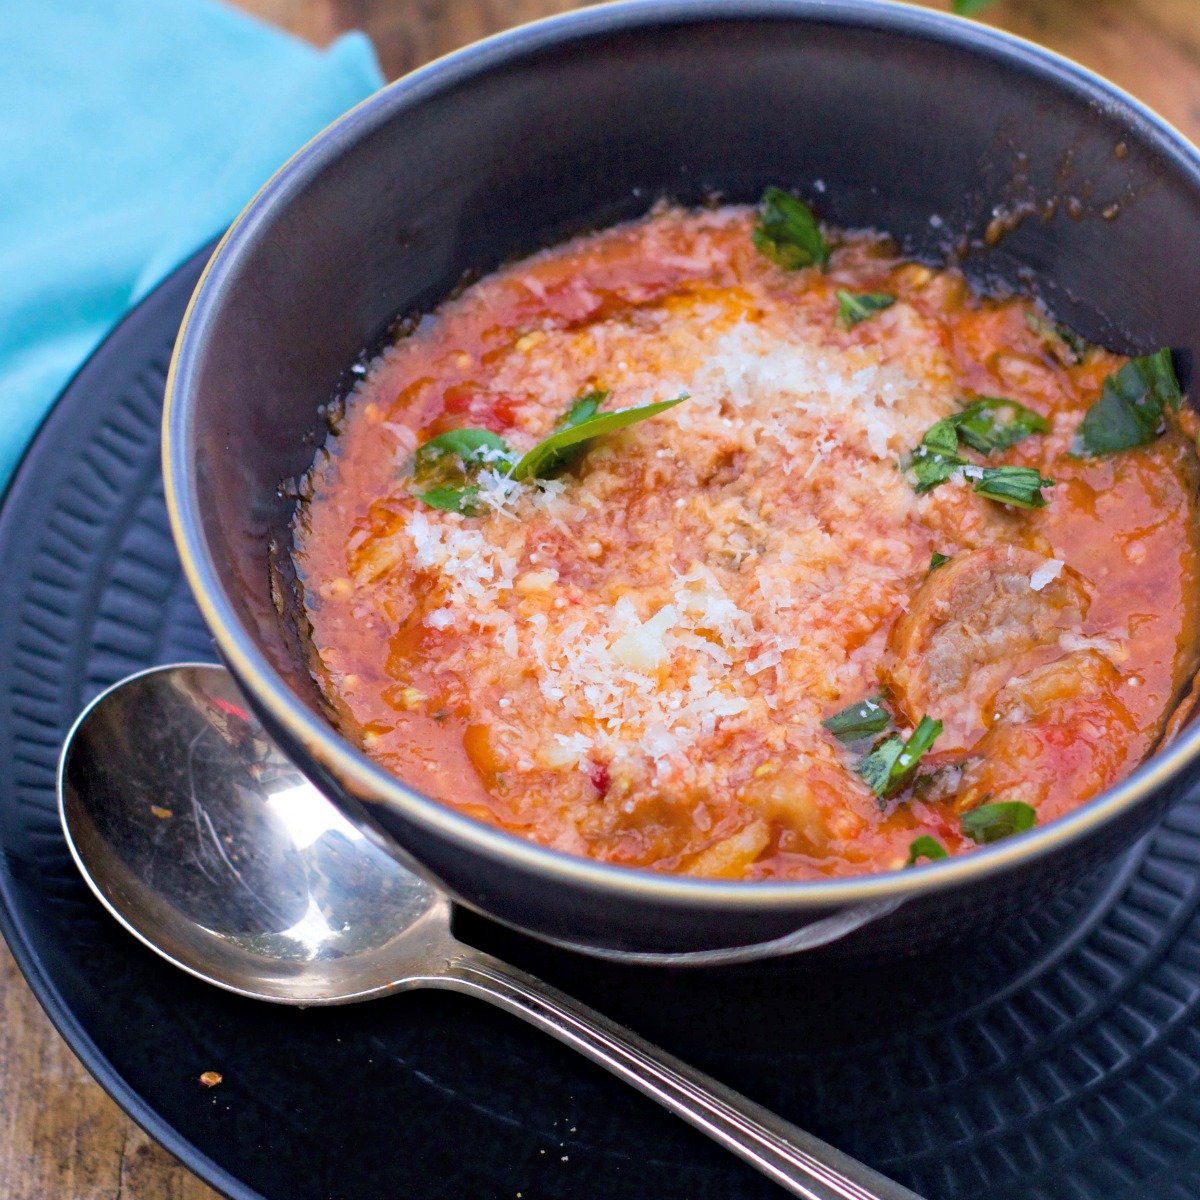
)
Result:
{"points": [[939, 130]]}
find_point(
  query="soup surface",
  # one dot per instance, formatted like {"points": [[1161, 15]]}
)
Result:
{"points": [[852, 603]]}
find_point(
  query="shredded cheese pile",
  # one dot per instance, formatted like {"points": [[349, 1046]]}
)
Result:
{"points": [[746, 616]]}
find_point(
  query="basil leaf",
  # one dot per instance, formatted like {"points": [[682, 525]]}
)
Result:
{"points": [[926, 733], [547, 457], [942, 437], [1063, 342], [936, 459], [938, 560], [993, 423], [459, 500], [472, 446], [876, 768], [788, 233], [584, 409], [1018, 486], [992, 822], [853, 309], [451, 461], [926, 847], [890, 764], [987, 424], [1130, 409], [932, 467], [860, 720]]}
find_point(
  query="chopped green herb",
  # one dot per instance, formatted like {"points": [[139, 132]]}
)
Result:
{"points": [[968, 8], [926, 733], [937, 459], [942, 437], [547, 456], [993, 423], [876, 769], [864, 719], [584, 409], [991, 822], [1063, 342], [788, 233], [451, 461], [938, 560], [853, 309], [471, 446], [1019, 486], [926, 847], [988, 424], [1130, 409], [932, 467], [891, 763], [459, 500]]}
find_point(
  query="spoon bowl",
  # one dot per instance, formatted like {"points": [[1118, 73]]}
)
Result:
{"points": [[211, 848]]}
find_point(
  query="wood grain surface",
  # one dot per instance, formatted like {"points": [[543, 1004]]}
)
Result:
{"points": [[60, 1135]]}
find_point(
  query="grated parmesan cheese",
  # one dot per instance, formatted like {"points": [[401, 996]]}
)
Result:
{"points": [[1048, 572]]}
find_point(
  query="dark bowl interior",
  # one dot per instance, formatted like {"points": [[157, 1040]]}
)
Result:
{"points": [[941, 132]]}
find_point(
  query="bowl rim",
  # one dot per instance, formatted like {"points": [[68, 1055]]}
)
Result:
{"points": [[372, 783]]}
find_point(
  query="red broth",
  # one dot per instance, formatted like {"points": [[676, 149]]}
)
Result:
{"points": [[631, 654]]}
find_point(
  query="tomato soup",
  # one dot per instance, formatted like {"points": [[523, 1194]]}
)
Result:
{"points": [[720, 543]]}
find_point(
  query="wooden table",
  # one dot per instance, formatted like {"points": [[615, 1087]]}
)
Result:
{"points": [[60, 1135]]}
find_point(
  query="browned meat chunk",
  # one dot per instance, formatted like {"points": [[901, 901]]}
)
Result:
{"points": [[1059, 729], [973, 625]]}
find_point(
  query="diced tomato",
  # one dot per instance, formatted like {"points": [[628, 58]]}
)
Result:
{"points": [[471, 406]]}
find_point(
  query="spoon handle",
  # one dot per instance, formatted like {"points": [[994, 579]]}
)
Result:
{"points": [[802, 1164]]}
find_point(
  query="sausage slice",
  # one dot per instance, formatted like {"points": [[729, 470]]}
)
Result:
{"points": [[973, 624]]}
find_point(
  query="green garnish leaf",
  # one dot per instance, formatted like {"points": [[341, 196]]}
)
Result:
{"points": [[942, 437], [876, 769], [1018, 486], [936, 459], [926, 733], [938, 560], [459, 500], [853, 309], [890, 764], [584, 409], [932, 467], [471, 446], [787, 232], [987, 424], [993, 423], [547, 456], [1062, 341], [451, 461], [864, 719], [992, 822], [926, 847], [1130, 409], [968, 8]]}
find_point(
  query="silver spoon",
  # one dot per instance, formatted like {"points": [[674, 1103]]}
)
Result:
{"points": [[210, 847]]}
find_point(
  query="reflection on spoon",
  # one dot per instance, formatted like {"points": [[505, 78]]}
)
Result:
{"points": [[204, 841]]}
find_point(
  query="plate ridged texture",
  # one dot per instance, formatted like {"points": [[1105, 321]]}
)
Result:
{"points": [[1054, 1056]]}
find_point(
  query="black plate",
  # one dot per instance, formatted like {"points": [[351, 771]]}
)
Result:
{"points": [[1055, 1058]]}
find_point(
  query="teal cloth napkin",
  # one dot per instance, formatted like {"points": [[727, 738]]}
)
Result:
{"points": [[132, 132]]}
